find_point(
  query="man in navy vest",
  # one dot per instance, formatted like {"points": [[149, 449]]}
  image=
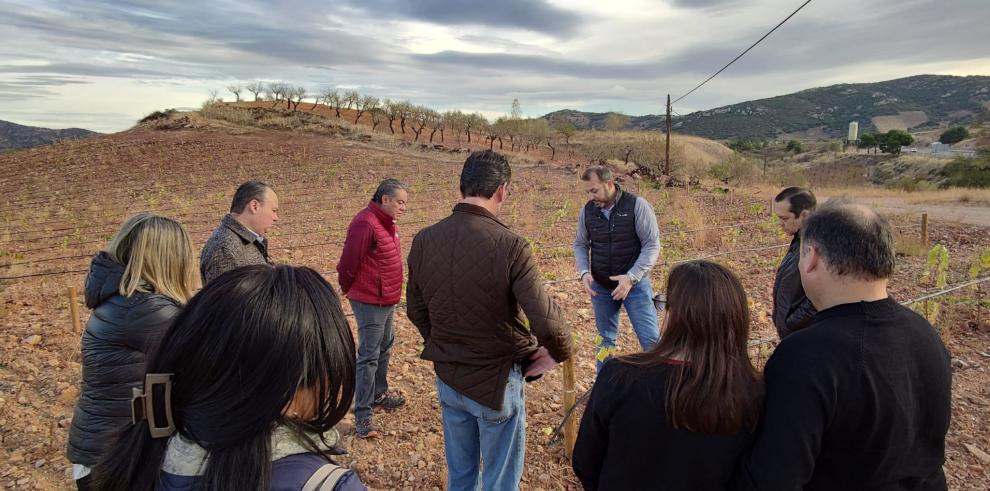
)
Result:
{"points": [[617, 244], [370, 275]]}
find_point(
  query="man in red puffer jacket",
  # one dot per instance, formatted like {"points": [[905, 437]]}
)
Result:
{"points": [[370, 275]]}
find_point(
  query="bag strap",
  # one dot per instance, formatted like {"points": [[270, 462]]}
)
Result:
{"points": [[325, 478]]}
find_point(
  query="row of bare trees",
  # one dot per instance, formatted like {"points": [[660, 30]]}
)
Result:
{"points": [[514, 131]]}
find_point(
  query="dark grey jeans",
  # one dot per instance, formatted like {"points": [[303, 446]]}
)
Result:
{"points": [[376, 333]]}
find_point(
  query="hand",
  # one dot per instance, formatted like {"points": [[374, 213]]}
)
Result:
{"points": [[625, 284], [541, 361], [587, 281]]}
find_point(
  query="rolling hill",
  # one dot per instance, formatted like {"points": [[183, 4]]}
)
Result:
{"points": [[14, 136], [918, 102]]}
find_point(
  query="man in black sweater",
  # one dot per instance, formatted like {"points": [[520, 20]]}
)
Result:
{"points": [[860, 399]]}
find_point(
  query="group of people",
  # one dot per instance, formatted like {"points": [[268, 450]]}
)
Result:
{"points": [[240, 384]]}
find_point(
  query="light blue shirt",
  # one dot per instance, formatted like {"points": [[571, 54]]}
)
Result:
{"points": [[649, 238]]}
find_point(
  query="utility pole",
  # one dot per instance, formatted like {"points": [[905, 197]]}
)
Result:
{"points": [[765, 145], [666, 160]]}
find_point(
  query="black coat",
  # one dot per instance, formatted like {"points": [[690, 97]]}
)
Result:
{"points": [[791, 308], [627, 443], [120, 335]]}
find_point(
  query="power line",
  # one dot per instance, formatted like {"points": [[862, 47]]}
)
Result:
{"points": [[743, 53]]}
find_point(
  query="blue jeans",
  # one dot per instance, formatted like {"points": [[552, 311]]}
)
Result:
{"points": [[376, 333], [642, 314], [473, 432]]}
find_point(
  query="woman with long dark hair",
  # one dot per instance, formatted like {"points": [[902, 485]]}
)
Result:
{"points": [[679, 416], [135, 288], [244, 391]]}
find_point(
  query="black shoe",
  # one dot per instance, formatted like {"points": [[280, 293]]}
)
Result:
{"points": [[389, 400]]}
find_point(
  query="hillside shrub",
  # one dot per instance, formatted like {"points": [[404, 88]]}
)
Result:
{"points": [[969, 172], [955, 134], [158, 115], [912, 185], [735, 170]]}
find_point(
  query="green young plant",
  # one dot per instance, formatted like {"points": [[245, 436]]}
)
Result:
{"points": [[771, 226], [730, 236], [558, 215], [936, 273], [980, 263]]}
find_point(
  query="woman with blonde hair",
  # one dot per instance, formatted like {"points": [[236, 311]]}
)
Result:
{"points": [[135, 288]]}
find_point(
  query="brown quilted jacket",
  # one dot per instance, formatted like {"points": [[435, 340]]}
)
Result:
{"points": [[470, 280]]}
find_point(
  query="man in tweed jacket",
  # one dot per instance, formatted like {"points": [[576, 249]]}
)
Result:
{"points": [[239, 240]]}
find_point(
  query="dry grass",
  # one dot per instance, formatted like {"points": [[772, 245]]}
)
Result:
{"points": [[693, 148]]}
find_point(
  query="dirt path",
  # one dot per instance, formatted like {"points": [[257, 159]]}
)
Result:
{"points": [[943, 212]]}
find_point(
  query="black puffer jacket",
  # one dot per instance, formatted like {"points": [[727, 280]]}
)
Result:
{"points": [[120, 335], [791, 308]]}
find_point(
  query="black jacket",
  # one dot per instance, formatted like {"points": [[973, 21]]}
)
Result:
{"points": [[627, 443], [791, 308], [120, 334], [615, 245]]}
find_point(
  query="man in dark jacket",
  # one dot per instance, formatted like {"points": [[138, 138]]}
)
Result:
{"points": [[240, 238], [860, 399], [370, 274], [616, 245], [791, 308], [468, 277]]}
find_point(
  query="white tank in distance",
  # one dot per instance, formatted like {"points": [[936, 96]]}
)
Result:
{"points": [[853, 132]]}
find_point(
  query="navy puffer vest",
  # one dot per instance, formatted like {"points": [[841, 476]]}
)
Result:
{"points": [[615, 245]]}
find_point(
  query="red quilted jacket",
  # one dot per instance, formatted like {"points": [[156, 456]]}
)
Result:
{"points": [[370, 269]]}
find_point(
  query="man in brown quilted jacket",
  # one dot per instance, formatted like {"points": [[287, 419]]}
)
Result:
{"points": [[471, 279]]}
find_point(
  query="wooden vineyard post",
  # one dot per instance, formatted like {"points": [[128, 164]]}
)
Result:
{"points": [[571, 427], [924, 230], [74, 309]]}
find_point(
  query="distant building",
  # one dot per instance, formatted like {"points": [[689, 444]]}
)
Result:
{"points": [[940, 148]]}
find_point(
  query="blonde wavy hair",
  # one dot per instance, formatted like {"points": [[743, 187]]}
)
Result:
{"points": [[157, 257]]}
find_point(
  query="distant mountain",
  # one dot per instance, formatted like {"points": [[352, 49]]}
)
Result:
{"points": [[14, 135], [919, 102]]}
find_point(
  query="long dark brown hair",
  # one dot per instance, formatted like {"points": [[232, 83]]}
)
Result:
{"points": [[238, 353], [716, 390]]}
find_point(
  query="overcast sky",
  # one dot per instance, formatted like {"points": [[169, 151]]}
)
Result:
{"points": [[102, 65]]}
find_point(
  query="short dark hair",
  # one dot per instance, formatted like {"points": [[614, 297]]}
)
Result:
{"points": [[388, 187], [853, 240], [484, 171], [800, 199], [600, 171], [247, 192]]}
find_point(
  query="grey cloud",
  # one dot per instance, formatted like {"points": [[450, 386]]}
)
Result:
{"points": [[538, 64], [89, 70], [199, 41], [704, 4], [535, 15]]}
